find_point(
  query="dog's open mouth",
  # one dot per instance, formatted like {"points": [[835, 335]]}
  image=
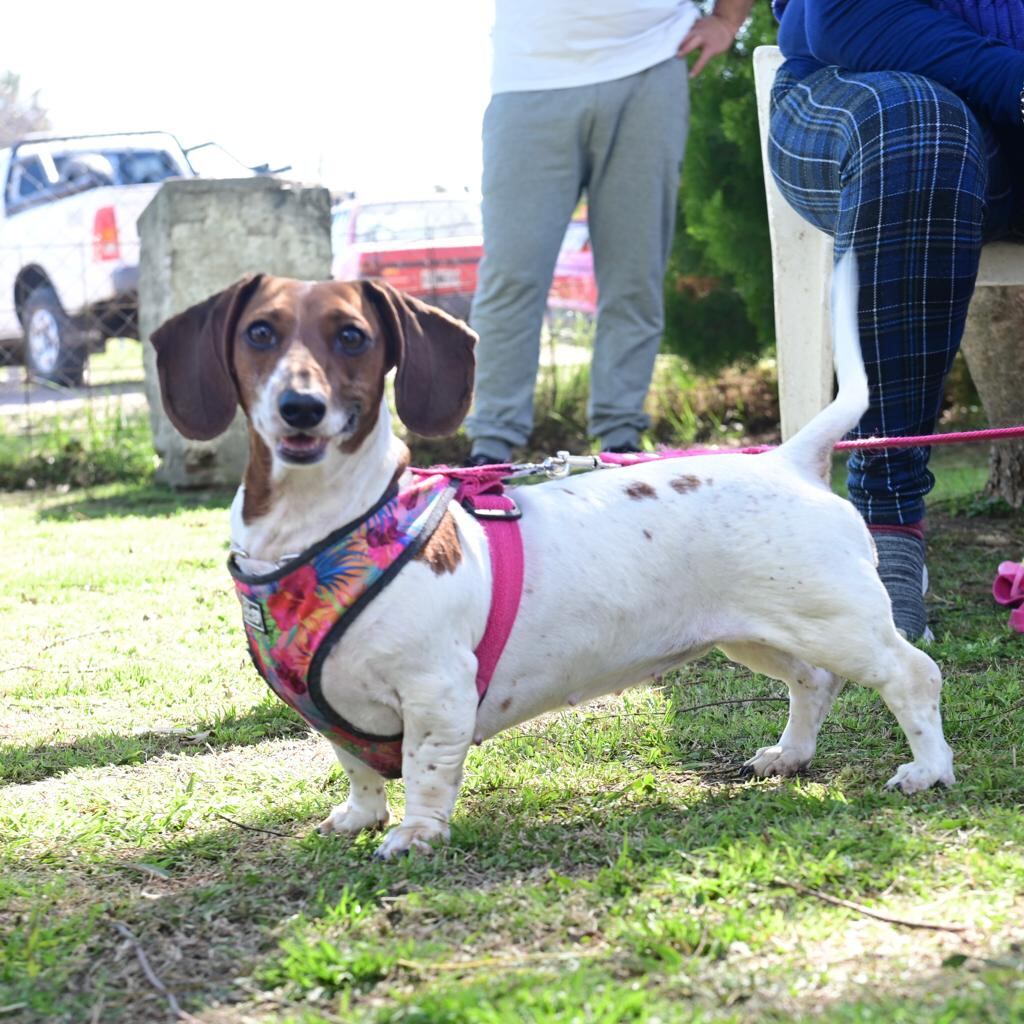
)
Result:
{"points": [[302, 448]]}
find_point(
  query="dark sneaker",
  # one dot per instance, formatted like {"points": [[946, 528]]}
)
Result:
{"points": [[483, 459]]}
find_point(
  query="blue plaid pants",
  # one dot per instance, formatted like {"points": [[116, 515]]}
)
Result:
{"points": [[903, 171]]}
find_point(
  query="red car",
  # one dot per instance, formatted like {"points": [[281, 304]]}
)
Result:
{"points": [[431, 248], [574, 289], [428, 247]]}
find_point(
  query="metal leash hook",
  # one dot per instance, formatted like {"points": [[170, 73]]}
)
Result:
{"points": [[561, 464]]}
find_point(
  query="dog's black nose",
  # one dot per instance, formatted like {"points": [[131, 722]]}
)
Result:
{"points": [[300, 409]]}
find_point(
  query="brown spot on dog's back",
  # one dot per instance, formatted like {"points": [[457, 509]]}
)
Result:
{"points": [[442, 552], [684, 484], [638, 489], [506, 704]]}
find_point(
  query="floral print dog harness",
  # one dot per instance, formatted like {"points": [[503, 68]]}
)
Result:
{"points": [[295, 615]]}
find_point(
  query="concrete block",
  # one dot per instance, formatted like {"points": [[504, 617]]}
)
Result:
{"points": [[198, 236]]}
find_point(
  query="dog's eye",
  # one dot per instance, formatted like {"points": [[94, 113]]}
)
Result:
{"points": [[350, 340], [261, 335]]}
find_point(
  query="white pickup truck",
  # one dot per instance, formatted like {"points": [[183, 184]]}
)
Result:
{"points": [[69, 249]]}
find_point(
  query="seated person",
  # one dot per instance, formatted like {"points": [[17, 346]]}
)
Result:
{"points": [[896, 127]]}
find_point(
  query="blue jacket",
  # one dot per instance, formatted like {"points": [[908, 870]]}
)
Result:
{"points": [[951, 42]]}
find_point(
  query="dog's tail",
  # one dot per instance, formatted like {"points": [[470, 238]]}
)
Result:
{"points": [[811, 447]]}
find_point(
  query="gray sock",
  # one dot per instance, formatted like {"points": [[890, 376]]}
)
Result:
{"points": [[901, 567]]}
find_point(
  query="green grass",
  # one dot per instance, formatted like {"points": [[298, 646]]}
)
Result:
{"points": [[119, 362], [606, 865]]}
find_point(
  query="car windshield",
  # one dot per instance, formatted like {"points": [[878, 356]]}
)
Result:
{"points": [[117, 166], [41, 172], [414, 222]]}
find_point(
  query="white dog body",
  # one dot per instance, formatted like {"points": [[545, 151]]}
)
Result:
{"points": [[628, 572]]}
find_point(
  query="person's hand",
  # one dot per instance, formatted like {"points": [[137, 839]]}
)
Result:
{"points": [[711, 35]]}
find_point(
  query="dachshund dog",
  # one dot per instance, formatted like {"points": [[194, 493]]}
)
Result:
{"points": [[627, 572]]}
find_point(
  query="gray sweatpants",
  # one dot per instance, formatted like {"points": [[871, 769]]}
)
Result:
{"points": [[622, 142]]}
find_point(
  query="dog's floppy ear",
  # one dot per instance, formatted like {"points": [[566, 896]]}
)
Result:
{"points": [[193, 358], [434, 355]]}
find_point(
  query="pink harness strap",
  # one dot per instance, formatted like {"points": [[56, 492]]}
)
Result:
{"points": [[481, 490], [505, 543]]}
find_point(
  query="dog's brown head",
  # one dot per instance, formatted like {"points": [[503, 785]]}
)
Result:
{"points": [[307, 361]]}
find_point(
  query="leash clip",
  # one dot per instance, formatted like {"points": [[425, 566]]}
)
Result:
{"points": [[561, 464]]}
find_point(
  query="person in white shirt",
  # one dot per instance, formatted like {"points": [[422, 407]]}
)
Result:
{"points": [[587, 98]]}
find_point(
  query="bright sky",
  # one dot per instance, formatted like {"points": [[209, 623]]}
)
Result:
{"points": [[376, 95]]}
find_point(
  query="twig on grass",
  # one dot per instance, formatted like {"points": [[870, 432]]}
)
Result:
{"points": [[78, 636], [57, 643], [497, 961], [1001, 713], [618, 714], [251, 828], [736, 700], [151, 975], [96, 1015], [859, 908], [694, 707]]}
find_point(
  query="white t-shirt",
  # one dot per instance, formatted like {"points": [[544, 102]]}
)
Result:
{"points": [[555, 44]]}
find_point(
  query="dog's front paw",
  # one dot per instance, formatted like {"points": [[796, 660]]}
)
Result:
{"points": [[776, 760], [405, 838], [347, 819], [914, 777]]}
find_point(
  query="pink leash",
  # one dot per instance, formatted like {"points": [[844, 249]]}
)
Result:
{"points": [[927, 440], [866, 443]]}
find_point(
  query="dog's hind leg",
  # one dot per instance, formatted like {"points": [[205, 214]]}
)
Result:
{"points": [[912, 694], [905, 677], [811, 694], [367, 804]]}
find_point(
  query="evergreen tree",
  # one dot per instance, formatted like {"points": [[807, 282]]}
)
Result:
{"points": [[719, 283]]}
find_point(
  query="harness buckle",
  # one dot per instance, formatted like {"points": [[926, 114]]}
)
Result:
{"points": [[510, 512]]}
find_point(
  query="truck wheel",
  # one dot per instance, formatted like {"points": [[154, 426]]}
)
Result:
{"points": [[50, 351]]}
